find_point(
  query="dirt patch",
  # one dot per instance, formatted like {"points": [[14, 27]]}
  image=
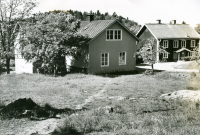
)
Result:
{"points": [[27, 108]]}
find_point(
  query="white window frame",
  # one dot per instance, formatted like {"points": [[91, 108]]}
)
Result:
{"points": [[182, 43], [120, 58], [166, 55], [165, 43], [113, 39], [194, 43], [103, 60], [175, 45]]}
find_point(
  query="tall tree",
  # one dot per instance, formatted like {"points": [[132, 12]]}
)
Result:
{"points": [[50, 38], [11, 13], [149, 51]]}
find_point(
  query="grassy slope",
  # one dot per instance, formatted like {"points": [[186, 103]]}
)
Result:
{"points": [[71, 90], [60, 92]]}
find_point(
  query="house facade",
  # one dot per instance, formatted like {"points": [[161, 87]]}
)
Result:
{"points": [[111, 48], [179, 40]]}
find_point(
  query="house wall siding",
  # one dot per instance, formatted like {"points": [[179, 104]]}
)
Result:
{"points": [[100, 45], [171, 49], [145, 35], [21, 65]]}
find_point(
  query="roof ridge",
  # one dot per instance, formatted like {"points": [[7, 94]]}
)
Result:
{"points": [[164, 24]]}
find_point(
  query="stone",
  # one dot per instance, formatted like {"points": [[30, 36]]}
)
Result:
{"points": [[107, 109], [184, 97]]}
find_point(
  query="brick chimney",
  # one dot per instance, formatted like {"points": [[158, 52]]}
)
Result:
{"points": [[90, 17], [159, 21]]}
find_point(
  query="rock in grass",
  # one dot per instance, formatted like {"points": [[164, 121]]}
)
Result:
{"points": [[184, 97]]}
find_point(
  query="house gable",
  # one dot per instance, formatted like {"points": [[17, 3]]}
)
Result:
{"points": [[113, 47], [95, 28]]}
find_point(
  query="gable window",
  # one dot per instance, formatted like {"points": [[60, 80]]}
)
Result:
{"points": [[122, 58], [165, 55], [183, 43], [104, 59], [165, 43], [112, 34], [192, 43], [175, 44]]}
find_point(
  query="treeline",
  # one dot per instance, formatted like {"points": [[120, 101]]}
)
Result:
{"points": [[132, 25]]}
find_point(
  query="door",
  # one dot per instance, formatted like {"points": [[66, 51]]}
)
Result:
{"points": [[175, 56]]}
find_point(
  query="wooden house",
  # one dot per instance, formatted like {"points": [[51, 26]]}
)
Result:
{"points": [[112, 46], [179, 40]]}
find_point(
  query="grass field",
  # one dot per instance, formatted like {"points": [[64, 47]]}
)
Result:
{"points": [[140, 111]]}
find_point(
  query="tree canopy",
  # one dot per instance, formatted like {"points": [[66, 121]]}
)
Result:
{"points": [[149, 51], [197, 28], [132, 25], [49, 37], [11, 13]]}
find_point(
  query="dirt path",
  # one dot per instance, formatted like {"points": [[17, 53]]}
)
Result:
{"points": [[100, 94]]}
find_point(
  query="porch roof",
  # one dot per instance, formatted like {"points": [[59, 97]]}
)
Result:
{"points": [[182, 49]]}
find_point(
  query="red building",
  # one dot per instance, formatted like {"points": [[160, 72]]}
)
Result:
{"points": [[179, 40]]}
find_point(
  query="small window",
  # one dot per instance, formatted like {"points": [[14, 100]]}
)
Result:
{"points": [[114, 35], [165, 55], [192, 43], [165, 43], [122, 58], [183, 43], [192, 53], [175, 44], [104, 59]]}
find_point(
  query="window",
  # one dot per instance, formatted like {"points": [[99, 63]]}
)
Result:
{"points": [[183, 43], [175, 44], [165, 55], [122, 58], [104, 59], [192, 53], [192, 43], [114, 35], [165, 43]]}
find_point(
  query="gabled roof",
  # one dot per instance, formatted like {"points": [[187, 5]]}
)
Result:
{"points": [[164, 31], [94, 28], [182, 49]]}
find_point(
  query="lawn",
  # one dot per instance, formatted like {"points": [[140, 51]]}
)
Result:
{"points": [[140, 111]]}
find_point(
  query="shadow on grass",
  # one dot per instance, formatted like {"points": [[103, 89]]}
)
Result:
{"points": [[116, 73], [3, 70]]}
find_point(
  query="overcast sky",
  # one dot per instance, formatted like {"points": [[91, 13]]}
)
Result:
{"points": [[141, 11]]}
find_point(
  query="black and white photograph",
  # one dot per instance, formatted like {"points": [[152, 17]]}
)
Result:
{"points": [[99, 67]]}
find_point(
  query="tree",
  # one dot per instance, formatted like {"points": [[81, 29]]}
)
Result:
{"points": [[11, 13], [149, 51], [49, 38], [197, 28], [183, 22]]}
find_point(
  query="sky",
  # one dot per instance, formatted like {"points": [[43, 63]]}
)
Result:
{"points": [[141, 11]]}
